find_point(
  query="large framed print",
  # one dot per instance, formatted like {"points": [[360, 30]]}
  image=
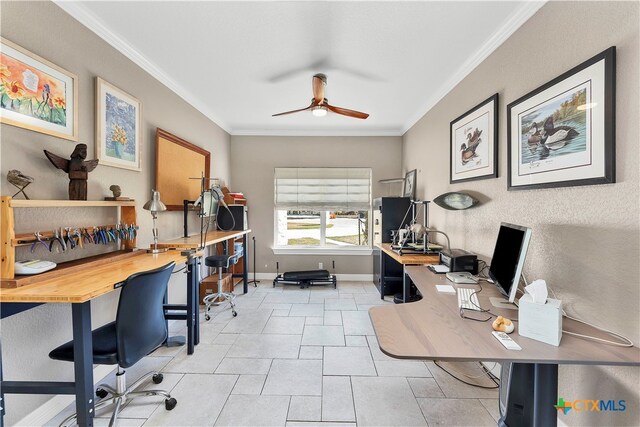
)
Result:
{"points": [[563, 133], [36, 94], [118, 127], [474, 143]]}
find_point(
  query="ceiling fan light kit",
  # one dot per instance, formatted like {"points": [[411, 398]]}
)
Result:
{"points": [[319, 106], [319, 111]]}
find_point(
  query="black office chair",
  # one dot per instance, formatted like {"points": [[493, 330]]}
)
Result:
{"points": [[220, 262], [139, 329]]}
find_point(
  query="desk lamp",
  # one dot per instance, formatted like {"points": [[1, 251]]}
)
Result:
{"points": [[155, 205]]}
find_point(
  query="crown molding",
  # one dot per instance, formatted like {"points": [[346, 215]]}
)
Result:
{"points": [[519, 17], [93, 23], [315, 132]]}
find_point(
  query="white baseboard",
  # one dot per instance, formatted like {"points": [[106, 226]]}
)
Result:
{"points": [[345, 277], [55, 405]]}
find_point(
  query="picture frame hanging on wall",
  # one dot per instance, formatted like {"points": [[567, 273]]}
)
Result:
{"points": [[409, 186], [118, 127], [474, 143], [36, 94], [563, 133]]}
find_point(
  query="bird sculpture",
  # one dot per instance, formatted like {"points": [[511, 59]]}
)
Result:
{"points": [[77, 168], [20, 181]]}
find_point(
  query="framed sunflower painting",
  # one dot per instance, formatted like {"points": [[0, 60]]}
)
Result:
{"points": [[118, 127], [36, 94]]}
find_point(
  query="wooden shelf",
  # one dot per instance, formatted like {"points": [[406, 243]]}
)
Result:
{"points": [[9, 241], [69, 203]]}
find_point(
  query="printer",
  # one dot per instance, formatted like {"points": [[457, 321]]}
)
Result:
{"points": [[459, 260]]}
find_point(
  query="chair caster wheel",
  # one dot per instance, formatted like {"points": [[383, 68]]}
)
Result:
{"points": [[169, 404], [207, 317], [102, 393], [235, 314], [157, 378]]}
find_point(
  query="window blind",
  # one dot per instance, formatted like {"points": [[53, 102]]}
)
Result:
{"points": [[346, 189]]}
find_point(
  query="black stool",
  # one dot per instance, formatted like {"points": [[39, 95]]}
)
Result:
{"points": [[220, 262]]}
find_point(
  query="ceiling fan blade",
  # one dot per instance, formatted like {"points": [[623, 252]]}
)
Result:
{"points": [[346, 112], [313, 104], [318, 82]]}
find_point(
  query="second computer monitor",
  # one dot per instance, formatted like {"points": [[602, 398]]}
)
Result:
{"points": [[508, 258]]}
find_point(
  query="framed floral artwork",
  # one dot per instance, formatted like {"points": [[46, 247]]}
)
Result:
{"points": [[474, 143], [118, 127], [563, 133], [36, 94]]}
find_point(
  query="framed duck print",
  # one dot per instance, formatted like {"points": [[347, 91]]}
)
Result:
{"points": [[474, 143], [563, 133]]}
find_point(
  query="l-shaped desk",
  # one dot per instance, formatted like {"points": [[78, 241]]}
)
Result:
{"points": [[432, 329]]}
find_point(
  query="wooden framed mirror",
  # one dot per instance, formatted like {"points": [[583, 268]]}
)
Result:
{"points": [[177, 161]]}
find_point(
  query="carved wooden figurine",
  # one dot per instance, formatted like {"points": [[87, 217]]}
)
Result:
{"points": [[78, 169]]}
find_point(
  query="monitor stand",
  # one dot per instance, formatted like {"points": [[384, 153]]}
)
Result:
{"points": [[503, 303]]}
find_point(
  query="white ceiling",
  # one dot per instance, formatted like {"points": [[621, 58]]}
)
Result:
{"points": [[241, 62]]}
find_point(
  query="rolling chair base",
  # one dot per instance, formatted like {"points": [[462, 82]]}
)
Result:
{"points": [[122, 394], [209, 301]]}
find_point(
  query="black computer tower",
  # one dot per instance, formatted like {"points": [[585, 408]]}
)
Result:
{"points": [[388, 215]]}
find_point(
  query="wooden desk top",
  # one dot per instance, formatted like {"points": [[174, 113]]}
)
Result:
{"points": [[82, 286], [193, 241], [409, 259], [433, 329]]}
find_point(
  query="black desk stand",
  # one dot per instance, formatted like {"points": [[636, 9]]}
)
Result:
{"points": [[188, 311], [531, 395], [254, 281]]}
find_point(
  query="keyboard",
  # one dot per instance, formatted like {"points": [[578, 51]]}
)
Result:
{"points": [[468, 299]]}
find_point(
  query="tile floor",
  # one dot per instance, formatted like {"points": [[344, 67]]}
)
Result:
{"points": [[299, 358]]}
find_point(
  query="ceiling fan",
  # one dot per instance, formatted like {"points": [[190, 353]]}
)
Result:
{"points": [[319, 105]]}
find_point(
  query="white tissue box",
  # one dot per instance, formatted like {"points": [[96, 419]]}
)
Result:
{"points": [[541, 322]]}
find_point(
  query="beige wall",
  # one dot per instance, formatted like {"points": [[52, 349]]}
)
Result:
{"points": [[585, 240], [46, 30], [253, 159]]}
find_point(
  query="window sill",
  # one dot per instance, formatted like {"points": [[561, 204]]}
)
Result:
{"points": [[292, 250]]}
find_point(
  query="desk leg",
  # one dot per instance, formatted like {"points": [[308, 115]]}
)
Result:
{"points": [[196, 303], [83, 365], [382, 273], [406, 284], [245, 267], [192, 276], [545, 394], [532, 394], [2, 411]]}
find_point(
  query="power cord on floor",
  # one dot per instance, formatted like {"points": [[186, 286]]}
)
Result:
{"points": [[486, 372]]}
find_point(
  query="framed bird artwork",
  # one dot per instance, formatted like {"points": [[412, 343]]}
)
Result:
{"points": [[562, 134], [474, 143]]}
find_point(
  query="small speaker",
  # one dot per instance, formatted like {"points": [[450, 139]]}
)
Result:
{"points": [[226, 219]]}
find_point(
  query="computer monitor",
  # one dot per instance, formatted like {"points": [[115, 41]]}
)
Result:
{"points": [[508, 258]]}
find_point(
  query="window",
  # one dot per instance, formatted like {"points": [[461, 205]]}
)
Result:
{"points": [[322, 209]]}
